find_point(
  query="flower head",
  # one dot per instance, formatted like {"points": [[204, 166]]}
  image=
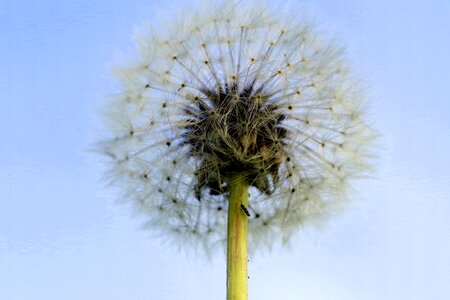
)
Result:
{"points": [[236, 90]]}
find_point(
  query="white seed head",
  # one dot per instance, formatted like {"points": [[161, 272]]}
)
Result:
{"points": [[236, 90]]}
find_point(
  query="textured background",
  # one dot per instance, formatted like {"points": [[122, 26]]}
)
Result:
{"points": [[62, 236]]}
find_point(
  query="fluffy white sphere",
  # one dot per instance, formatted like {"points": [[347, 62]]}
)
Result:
{"points": [[236, 89]]}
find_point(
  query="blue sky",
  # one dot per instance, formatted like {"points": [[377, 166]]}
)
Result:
{"points": [[63, 237]]}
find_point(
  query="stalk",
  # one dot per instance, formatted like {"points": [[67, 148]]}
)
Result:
{"points": [[237, 273]]}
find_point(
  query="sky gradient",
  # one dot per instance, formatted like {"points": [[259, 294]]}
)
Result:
{"points": [[63, 237]]}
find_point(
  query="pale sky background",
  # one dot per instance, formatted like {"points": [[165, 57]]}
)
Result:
{"points": [[63, 237]]}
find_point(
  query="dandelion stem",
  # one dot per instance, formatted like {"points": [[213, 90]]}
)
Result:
{"points": [[237, 240]]}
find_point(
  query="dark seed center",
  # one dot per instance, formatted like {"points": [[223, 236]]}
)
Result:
{"points": [[232, 131]]}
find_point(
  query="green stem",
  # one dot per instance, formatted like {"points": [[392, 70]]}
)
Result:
{"points": [[237, 240]]}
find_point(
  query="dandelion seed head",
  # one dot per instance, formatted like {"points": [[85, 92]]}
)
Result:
{"points": [[233, 90]]}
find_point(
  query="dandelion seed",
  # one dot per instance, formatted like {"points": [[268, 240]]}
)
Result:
{"points": [[245, 210], [236, 93], [282, 125]]}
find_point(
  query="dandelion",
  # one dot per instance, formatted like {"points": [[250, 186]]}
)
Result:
{"points": [[235, 124]]}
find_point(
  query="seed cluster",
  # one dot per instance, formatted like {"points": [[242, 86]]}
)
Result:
{"points": [[242, 130], [231, 89]]}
